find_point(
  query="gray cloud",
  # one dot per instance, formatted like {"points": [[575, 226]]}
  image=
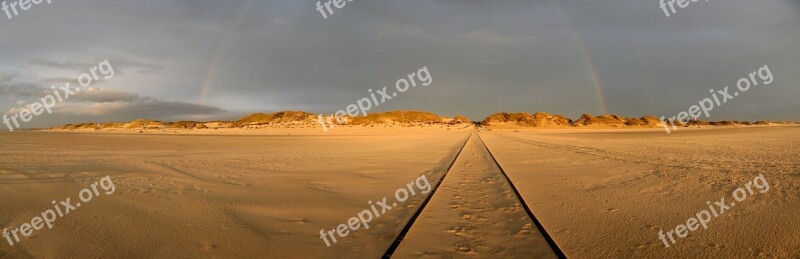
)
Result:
{"points": [[152, 109], [81, 110], [120, 65], [111, 103], [145, 108], [98, 105], [61, 80], [484, 56], [9, 89], [105, 96]]}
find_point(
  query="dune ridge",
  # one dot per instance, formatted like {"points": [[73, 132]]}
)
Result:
{"points": [[545, 120], [406, 118], [282, 119]]}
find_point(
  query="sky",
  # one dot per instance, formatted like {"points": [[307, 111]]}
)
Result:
{"points": [[210, 59]]}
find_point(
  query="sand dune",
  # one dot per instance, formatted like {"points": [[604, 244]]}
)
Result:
{"points": [[278, 120], [545, 120], [300, 122]]}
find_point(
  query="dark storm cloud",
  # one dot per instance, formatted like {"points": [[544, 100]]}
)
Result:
{"points": [[120, 65], [105, 96], [155, 109], [484, 56], [21, 90], [10, 89], [99, 105]]}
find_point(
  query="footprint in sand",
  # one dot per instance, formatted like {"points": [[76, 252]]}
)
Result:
{"points": [[207, 248], [758, 252], [526, 230], [297, 221], [714, 245], [458, 231], [648, 226], [464, 248], [510, 208]]}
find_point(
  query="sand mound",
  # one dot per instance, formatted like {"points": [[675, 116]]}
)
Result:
{"points": [[460, 120], [697, 123], [602, 120], [611, 120], [723, 123], [539, 119], [284, 117], [110, 125], [399, 117], [137, 124], [188, 125], [144, 124], [81, 126], [218, 124], [300, 119], [648, 120], [542, 119]]}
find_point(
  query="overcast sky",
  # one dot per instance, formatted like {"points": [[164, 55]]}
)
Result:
{"points": [[484, 57]]}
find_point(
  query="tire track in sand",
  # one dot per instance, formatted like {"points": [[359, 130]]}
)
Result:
{"points": [[396, 243], [477, 213]]}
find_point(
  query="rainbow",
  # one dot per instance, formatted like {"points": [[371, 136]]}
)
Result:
{"points": [[598, 86], [212, 66]]}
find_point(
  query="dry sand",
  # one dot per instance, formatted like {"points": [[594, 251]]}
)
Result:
{"points": [[474, 213], [598, 193], [608, 193], [213, 196]]}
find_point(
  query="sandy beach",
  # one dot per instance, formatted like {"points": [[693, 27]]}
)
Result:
{"points": [[607, 194], [212, 196], [596, 192]]}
